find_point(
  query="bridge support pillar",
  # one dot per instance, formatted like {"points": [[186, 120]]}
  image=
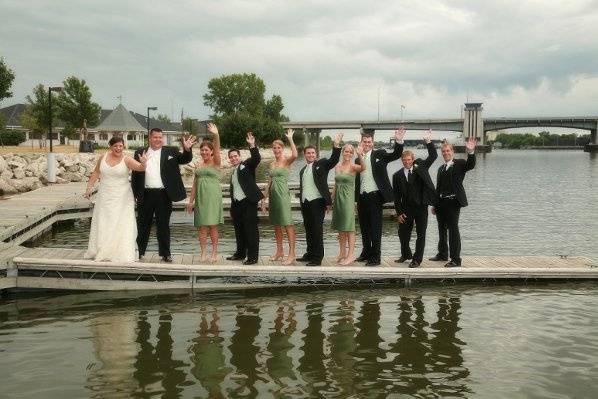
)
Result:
{"points": [[473, 126], [592, 146]]}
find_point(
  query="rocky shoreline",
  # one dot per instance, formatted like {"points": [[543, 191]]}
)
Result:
{"points": [[20, 173]]}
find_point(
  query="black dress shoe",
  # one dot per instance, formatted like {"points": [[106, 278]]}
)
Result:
{"points": [[452, 263], [361, 259], [235, 257], [414, 263], [250, 262], [167, 259], [310, 263], [438, 257], [402, 259], [373, 262], [302, 259]]}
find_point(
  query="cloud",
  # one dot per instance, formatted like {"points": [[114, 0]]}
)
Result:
{"points": [[328, 60]]}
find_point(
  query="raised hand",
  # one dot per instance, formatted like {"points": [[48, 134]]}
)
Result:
{"points": [[400, 134], [359, 150], [337, 139], [188, 142], [470, 144], [143, 158], [428, 136], [213, 129], [289, 134], [250, 140]]}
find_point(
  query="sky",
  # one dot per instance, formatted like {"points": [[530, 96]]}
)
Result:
{"points": [[329, 60]]}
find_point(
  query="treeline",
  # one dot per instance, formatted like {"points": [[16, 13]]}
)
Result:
{"points": [[543, 139]]}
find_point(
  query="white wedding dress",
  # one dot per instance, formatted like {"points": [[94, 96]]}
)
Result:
{"points": [[113, 232]]}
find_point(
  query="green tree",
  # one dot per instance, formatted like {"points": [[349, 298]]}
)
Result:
{"points": [[190, 125], [7, 76], [75, 107], [30, 122], [239, 106], [163, 118], [39, 107]]}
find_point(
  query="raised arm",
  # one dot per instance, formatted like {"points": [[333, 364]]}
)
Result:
{"points": [[92, 179], [187, 155], [216, 143], [294, 152], [137, 166], [470, 148], [357, 168], [432, 153], [336, 152], [398, 148], [255, 158]]}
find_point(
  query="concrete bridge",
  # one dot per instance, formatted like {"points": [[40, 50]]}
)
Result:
{"points": [[473, 124]]}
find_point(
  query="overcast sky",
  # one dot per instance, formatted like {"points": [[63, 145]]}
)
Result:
{"points": [[327, 59]]}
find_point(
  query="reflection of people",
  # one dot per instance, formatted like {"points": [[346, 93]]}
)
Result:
{"points": [[206, 194], [413, 192], [245, 195], [280, 364], [343, 210], [244, 351], [372, 191], [315, 197], [113, 231], [369, 350], [451, 198], [279, 197], [342, 348], [157, 188]]}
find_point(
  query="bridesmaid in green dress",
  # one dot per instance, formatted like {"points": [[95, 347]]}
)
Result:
{"points": [[343, 211], [206, 194], [279, 198]]}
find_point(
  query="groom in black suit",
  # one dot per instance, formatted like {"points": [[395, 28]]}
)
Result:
{"points": [[157, 188], [413, 192], [315, 198], [451, 198], [245, 195], [372, 191]]}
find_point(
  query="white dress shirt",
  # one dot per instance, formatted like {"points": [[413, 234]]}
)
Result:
{"points": [[153, 178]]}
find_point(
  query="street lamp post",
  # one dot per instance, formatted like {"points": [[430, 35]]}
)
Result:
{"points": [[51, 156], [148, 127]]}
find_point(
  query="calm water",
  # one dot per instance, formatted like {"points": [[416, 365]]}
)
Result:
{"points": [[490, 342], [536, 341]]}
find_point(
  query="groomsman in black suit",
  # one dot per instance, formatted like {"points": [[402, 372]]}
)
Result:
{"points": [[372, 191], [413, 192], [157, 188], [451, 198], [315, 198], [245, 195]]}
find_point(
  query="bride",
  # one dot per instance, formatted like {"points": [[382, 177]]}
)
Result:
{"points": [[113, 232]]}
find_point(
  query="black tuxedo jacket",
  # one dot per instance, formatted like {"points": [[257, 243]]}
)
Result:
{"points": [[422, 186], [379, 159], [320, 169], [170, 160], [246, 176], [456, 174]]}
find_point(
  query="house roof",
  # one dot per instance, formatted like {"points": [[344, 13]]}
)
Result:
{"points": [[12, 117], [120, 120]]}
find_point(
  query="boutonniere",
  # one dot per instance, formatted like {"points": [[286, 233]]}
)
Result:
{"points": [[317, 167], [241, 167], [415, 166], [377, 159], [170, 157]]}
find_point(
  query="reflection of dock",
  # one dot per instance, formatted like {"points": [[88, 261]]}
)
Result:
{"points": [[64, 269]]}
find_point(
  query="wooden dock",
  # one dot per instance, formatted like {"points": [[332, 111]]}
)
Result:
{"points": [[65, 269]]}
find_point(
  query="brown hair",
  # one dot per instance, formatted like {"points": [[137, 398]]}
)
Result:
{"points": [[116, 139], [307, 147], [208, 144], [445, 144], [407, 153], [155, 130], [364, 135]]}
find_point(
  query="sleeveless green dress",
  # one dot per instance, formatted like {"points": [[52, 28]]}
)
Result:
{"points": [[208, 198], [280, 198], [343, 211]]}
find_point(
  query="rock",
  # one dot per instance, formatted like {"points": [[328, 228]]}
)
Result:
{"points": [[71, 176], [7, 188], [17, 163], [18, 173], [7, 174], [3, 164]]}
